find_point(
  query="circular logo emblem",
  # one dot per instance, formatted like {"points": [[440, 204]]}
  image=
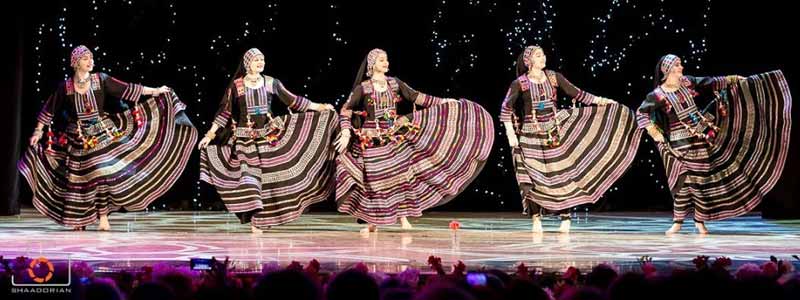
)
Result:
{"points": [[36, 266]]}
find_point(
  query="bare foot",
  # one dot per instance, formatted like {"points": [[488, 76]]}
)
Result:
{"points": [[537, 225], [564, 238], [104, 225], [674, 229], [537, 238], [701, 227], [565, 225], [404, 224], [255, 230], [406, 239]]}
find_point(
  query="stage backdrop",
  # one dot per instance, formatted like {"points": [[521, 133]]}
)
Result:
{"points": [[445, 48]]}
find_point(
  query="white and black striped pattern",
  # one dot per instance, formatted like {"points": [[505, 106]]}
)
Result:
{"points": [[133, 92], [72, 186], [428, 168], [747, 158], [598, 143], [270, 185]]}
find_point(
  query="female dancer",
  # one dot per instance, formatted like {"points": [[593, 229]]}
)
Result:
{"points": [[567, 157], [401, 160], [101, 153], [267, 167], [723, 140]]}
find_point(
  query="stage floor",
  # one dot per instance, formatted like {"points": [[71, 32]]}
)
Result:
{"points": [[492, 240]]}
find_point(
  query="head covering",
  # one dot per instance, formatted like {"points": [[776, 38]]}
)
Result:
{"points": [[77, 53], [372, 56], [249, 56], [668, 62], [526, 56]]}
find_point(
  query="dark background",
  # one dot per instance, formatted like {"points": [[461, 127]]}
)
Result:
{"points": [[445, 48]]}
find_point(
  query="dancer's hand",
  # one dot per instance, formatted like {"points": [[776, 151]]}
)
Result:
{"points": [[735, 78], [343, 142], [512, 140], [600, 101], [203, 143], [400, 122], [658, 137], [161, 90], [656, 134], [37, 135], [324, 107]]}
